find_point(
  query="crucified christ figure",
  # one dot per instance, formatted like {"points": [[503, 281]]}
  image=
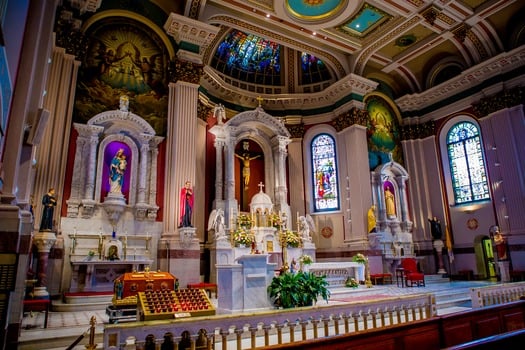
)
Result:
{"points": [[245, 159]]}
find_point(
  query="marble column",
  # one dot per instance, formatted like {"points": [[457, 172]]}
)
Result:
{"points": [[180, 150], [44, 241]]}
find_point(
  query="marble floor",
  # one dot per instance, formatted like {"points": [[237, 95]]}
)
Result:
{"points": [[68, 324]]}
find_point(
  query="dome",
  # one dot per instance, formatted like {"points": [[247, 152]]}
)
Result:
{"points": [[261, 201]]}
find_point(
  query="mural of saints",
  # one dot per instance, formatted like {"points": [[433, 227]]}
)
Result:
{"points": [[124, 59], [383, 134]]}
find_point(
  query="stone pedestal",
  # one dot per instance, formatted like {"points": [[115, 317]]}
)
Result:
{"points": [[180, 255], [43, 240], [504, 270], [438, 246]]}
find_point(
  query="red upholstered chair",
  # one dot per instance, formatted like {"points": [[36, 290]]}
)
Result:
{"points": [[412, 274]]}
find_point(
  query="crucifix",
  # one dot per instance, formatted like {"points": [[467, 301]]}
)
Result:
{"points": [[261, 185]]}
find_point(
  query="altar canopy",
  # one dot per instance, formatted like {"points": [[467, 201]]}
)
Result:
{"points": [[393, 234]]}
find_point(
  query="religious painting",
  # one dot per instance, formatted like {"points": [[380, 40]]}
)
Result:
{"points": [[124, 59], [383, 133], [116, 170]]}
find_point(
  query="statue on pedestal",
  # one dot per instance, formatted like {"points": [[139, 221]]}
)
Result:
{"points": [[49, 202]]}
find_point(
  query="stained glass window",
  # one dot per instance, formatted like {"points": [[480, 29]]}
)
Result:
{"points": [[249, 58], [467, 166], [313, 70], [324, 173]]}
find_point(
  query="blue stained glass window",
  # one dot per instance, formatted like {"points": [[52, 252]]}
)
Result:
{"points": [[313, 70], [249, 58], [324, 173], [467, 166]]}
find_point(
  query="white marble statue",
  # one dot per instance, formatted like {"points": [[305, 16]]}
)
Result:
{"points": [[216, 222], [306, 225], [219, 113]]}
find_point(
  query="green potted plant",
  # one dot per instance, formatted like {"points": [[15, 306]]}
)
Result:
{"points": [[290, 290]]}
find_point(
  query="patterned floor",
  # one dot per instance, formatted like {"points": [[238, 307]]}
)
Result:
{"points": [[76, 323]]}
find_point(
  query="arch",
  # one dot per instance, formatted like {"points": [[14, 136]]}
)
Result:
{"points": [[309, 137], [446, 162]]}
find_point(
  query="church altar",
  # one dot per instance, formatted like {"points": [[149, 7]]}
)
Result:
{"points": [[98, 275]]}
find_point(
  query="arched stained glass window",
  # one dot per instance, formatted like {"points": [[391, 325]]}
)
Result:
{"points": [[249, 58], [467, 166], [324, 173], [313, 70]]}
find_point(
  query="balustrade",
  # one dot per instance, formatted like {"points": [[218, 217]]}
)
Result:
{"points": [[272, 327]]}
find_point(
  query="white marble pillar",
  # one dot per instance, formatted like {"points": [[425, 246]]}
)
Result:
{"points": [[153, 174], [59, 101], [296, 172], [143, 168], [92, 166], [279, 148], [180, 150], [219, 148], [357, 187]]}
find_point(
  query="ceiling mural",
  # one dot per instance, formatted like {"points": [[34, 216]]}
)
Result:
{"points": [[365, 21], [124, 59], [302, 56], [314, 9]]}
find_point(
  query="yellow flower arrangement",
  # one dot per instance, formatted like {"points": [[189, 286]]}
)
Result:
{"points": [[243, 236], [275, 220], [291, 239], [351, 282], [244, 221], [305, 259], [359, 258]]}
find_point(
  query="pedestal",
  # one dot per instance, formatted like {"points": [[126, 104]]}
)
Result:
{"points": [[43, 240], [180, 255], [438, 246], [504, 270]]}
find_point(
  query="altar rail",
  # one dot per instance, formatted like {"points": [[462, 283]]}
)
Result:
{"points": [[498, 294], [337, 272], [272, 327]]}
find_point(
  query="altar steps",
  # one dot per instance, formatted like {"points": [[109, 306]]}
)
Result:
{"points": [[72, 302]]}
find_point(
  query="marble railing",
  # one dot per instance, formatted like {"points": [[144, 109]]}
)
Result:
{"points": [[270, 327], [498, 294], [337, 272]]}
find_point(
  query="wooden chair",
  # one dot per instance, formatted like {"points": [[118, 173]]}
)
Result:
{"points": [[412, 274]]}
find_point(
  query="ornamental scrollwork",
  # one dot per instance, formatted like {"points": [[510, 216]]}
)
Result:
{"points": [[349, 118]]}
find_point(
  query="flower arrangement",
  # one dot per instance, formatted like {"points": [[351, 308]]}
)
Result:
{"points": [[291, 239], [351, 283], [243, 236], [359, 258], [275, 220], [244, 221], [91, 253], [305, 259]]}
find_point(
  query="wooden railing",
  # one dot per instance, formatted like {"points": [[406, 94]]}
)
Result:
{"points": [[262, 329], [497, 294]]}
